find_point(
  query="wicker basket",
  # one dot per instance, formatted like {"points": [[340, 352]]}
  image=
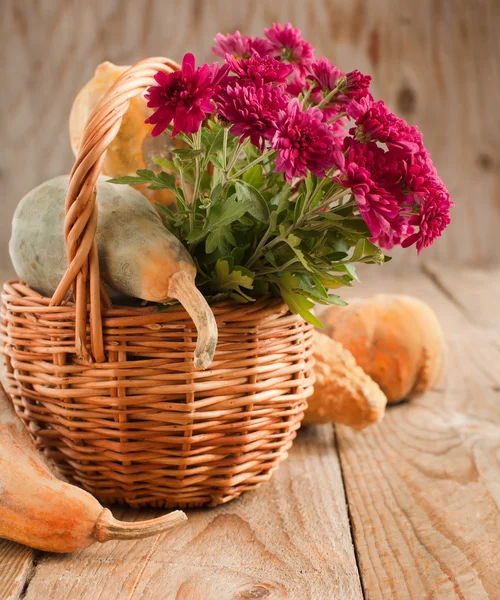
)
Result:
{"points": [[111, 394]]}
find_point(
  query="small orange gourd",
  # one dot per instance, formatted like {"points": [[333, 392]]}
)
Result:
{"points": [[397, 340], [133, 148]]}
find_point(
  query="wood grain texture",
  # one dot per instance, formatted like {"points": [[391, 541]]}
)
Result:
{"points": [[423, 486], [433, 61], [289, 539], [475, 291], [16, 564]]}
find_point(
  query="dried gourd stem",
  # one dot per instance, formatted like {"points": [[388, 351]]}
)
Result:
{"points": [[183, 288], [109, 528]]}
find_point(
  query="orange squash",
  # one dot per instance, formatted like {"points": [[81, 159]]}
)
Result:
{"points": [[343, 393], [134, 147], [40, 511], [397, 340]]}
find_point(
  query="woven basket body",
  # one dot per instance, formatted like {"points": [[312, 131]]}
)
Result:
{"points": [[111, 393], [143, 427]]}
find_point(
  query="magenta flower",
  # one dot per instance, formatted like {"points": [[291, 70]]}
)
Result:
{"points": [[183, 97], [252, 111], [377, 207], [298, 85], [260, 69], [389, 239], [355, 87], [240, 46], [324, 75], [304, 142], [378, 123], [433, 218], [287, 44]]}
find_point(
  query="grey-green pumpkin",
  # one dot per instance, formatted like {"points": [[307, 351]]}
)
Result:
{"points": [[138, 256]]}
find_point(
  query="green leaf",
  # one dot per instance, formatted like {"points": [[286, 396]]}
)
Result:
{"points": [[212, 139], [228, 277], [334, 299], [331, 216], [290, 291], [160, 181], [215, 160], [187, 153], [281, 199], [225, 212], [269, 256], [166, 164], [358, 250], [311, 181], [294, 242], [254, 177], [253, 199], [195, 235], [331, 282], [221, 239], [299, 205]]}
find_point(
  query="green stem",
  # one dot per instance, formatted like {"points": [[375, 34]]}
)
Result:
{"points": [[306, 95], [253, 163], [291, 262], [197, 180], [232, 159], [328, 97], [258, 250], [307, 203], [224, 147]]}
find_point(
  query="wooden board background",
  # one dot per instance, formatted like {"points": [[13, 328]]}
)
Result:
{"points": [[434, 61]]}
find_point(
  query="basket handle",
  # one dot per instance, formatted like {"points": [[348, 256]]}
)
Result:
{"points": [[80, 224]]}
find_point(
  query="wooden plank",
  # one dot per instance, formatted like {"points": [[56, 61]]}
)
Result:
{"points": [[423, 485], [288, 539], [423, 57], [476, 291], [16, 563]]}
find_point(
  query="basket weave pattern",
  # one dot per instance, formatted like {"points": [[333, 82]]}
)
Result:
{"points": [[111, 393], [143, 427]]}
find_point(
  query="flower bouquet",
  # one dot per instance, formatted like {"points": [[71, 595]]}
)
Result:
{"points": [[290, 174]]}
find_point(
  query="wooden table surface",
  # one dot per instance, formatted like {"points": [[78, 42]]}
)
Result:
{"points": [[407, 509]]}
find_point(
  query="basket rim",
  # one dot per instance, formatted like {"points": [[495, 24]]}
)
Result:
{"points": [[17, 289]]}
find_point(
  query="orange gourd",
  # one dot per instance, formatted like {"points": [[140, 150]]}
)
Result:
{"points": [[134, 147], [343, 392], [396, 340], [41, 511]]}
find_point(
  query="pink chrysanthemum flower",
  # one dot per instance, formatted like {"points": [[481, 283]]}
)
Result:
{"points": [[433, 218], [355, 87], [252, 111], [377, 207], [240, 46], [260, 69], [389, 239], [287, 44], [304, 142], [184, 97], [297, 85], [378, 123], [324, 75]]}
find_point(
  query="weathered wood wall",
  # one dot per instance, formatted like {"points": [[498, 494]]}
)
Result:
{"points": [[436, 62]]}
